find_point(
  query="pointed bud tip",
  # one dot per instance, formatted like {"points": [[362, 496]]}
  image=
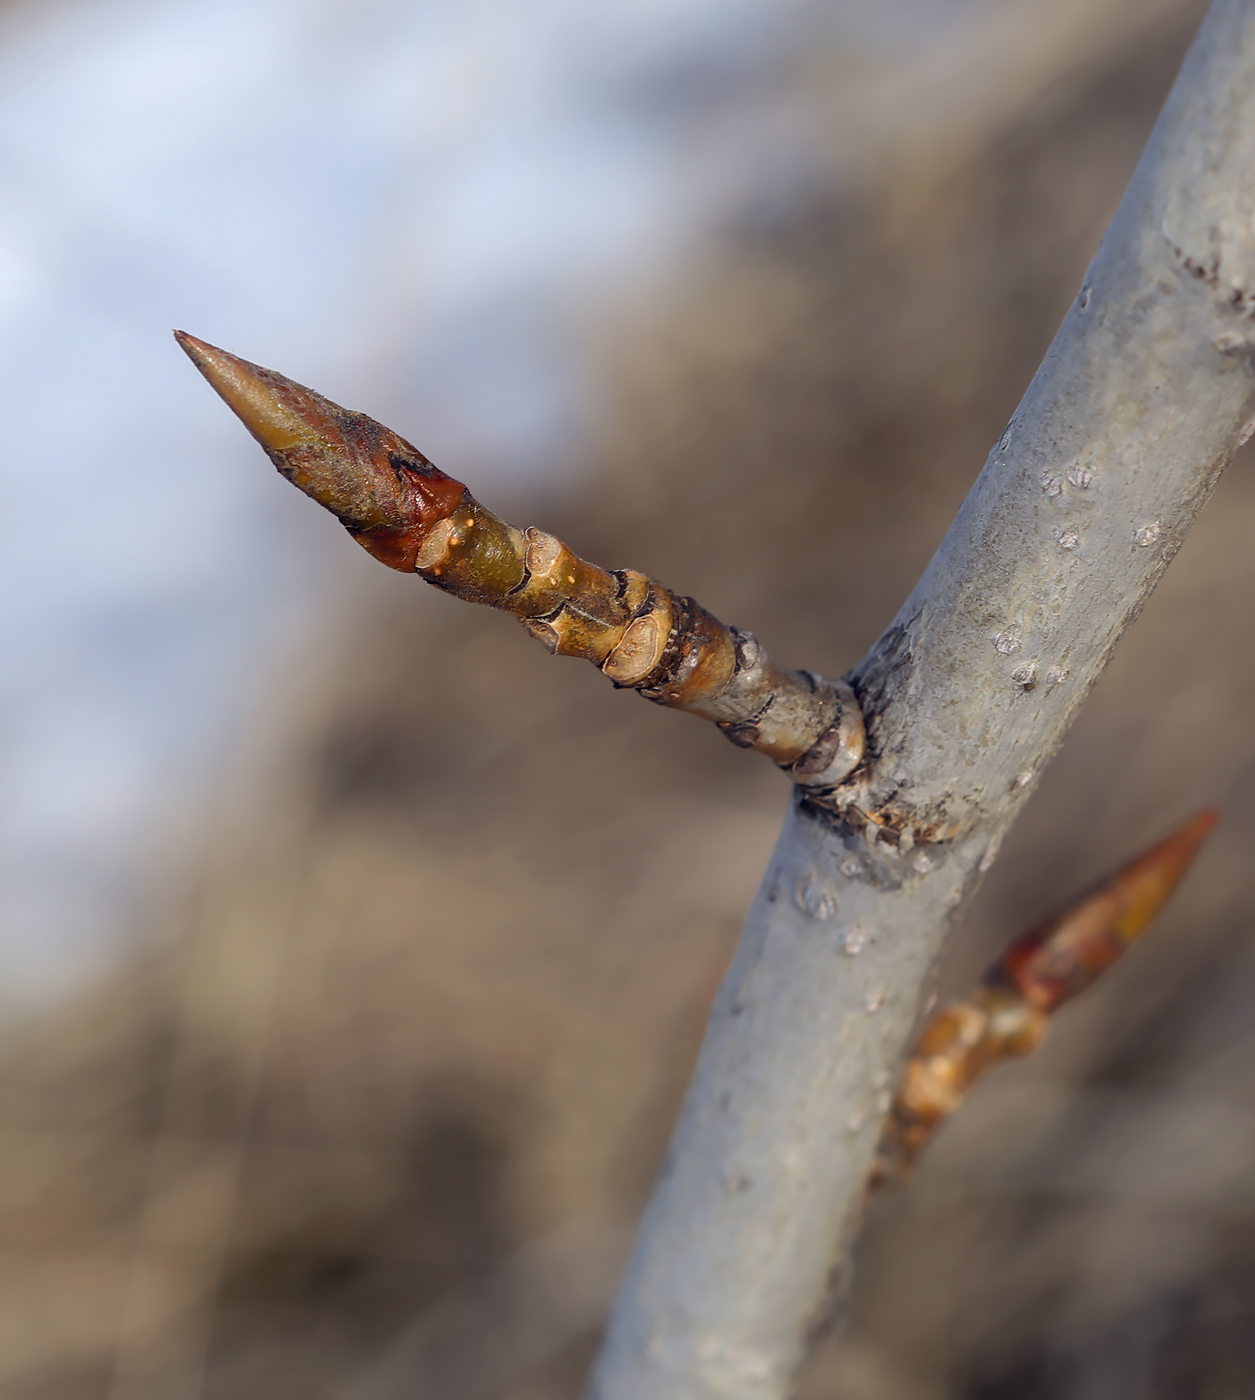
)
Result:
{"points": [[279, 413], [1060, 958], [1201, 825], [1173, 856], [379, 486], [203, 355]]}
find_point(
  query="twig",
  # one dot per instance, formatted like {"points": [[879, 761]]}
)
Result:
{"points": [[1009, 1013], [414, 518]]}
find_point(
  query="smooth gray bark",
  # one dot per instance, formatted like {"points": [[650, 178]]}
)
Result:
{"points": [[1141, 400]]}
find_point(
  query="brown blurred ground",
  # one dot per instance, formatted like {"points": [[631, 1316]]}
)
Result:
{"points": [[372, 1117]]}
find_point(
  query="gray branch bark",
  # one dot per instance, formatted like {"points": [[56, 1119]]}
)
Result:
{"points": [[1141, 400]]}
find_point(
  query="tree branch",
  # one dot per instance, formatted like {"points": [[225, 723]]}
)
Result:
{"points": [[1082, 504]]}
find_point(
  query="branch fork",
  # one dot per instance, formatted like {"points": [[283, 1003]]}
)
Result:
{"points": [[1127, 426]]}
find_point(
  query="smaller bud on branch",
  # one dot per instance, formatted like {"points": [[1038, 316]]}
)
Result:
{"points": [[414, 518], [1008, 1014]]}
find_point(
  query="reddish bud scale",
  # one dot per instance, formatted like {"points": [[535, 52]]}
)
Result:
{"points": [[382, 488], [1060, 958]]}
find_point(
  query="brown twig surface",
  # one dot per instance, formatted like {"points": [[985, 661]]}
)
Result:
{"points": [[411, 516]]}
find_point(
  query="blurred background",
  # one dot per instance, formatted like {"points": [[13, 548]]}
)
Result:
{"points": [[355, 952]]}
